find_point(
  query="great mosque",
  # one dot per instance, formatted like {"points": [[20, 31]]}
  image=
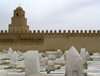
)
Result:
{"points": [[19, 37]]}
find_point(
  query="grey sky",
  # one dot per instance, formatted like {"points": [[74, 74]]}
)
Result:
{"points": [[54, 14]]}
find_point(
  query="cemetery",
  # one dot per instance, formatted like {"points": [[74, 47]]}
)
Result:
{"points": [[27, 53], [49, 63]]}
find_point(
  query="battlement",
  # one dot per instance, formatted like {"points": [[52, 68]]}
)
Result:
{"points": [[64, 32], [38, 36]]}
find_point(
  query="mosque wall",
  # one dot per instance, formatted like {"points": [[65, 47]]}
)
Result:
{"points": [[50, 41]]}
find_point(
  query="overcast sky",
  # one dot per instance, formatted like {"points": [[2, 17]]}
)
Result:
{"points": [[54, 14]]}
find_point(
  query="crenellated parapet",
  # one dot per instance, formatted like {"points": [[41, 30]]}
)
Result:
{"points": [[55, 32], [21, 36]]}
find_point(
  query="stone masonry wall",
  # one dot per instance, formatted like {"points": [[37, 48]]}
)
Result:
{"points": [[50, 40]]}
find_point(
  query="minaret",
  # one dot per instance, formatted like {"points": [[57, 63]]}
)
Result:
{"points": [[19, 22]]}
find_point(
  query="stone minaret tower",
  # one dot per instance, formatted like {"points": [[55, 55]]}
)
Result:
{"points": [[19, 22]]}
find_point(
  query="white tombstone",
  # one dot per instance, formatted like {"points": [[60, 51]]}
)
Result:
{"points": [[14, 56], [12, 64], [10, 50], [65, 54], [83, 54], [59, 52], [19, 53], [50, 65], [24, 54], [4, 56], [95, 58], [96, 54], [9, 54], [32, 65], [40, 55], [87, 55], [54, 53], [44, 61], [3, 73], [50, 57], [20, 58], [74, 63], [4, 51]]}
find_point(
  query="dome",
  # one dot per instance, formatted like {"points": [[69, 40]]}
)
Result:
{"points": [[19, 8]]}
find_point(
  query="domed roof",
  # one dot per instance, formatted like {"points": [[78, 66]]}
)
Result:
{"points": [[19, 8]]}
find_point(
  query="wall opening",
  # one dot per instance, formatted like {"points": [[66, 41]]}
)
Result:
{"points": [[17, 14]]}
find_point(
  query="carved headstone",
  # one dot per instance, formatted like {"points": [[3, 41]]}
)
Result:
{"points": [[32, 65], [87, 55], [74, 63], [59, 52], [65, 54], [83, 54], [14, 57], [50, 65], [10, 50]]}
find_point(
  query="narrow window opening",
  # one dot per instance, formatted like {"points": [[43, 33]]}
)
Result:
{"points": [[17, 15]]}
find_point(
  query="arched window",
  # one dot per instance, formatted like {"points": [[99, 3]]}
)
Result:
{"points": [[17, 14]]}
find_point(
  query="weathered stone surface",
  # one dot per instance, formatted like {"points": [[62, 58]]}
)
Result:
{"points": [[51, 65], [93, 62], [96, 54], [32, 65], [10, 50], [65, 54], [3, 73], [51, 57], [59, 52], [44, 61], [14, 57], [83, 54], [87, 55], [74, 63], [12, 64]]}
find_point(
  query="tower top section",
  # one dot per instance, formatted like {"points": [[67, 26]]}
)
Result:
{"points": [[19, 8], [19, 12], [18, 21]]}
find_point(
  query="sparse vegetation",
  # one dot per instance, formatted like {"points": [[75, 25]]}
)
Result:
{"points": [[85, 66], [5, 59], [8, 68], [5, 63], [58, 67], [49, 71], [85, 74]]}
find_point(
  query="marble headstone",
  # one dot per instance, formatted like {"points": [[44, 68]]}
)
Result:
{"points": [[51, 65], [10, 50], [87, 55], [50, 57], [3, 73], [65, 54], [83, 54], [14, 56], [32, 65], [59, 52], [74, 63]]}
